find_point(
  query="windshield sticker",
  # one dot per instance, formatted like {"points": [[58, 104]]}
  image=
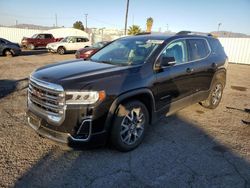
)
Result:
{"points": [[155, 41]]}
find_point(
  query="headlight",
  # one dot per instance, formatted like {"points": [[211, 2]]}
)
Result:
{"points": [[84, 97]]}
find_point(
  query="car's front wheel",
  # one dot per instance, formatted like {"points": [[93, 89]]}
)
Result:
{"points": [[31, 46], [215, 96], [61, 50], [130, 122], [9, 52]]}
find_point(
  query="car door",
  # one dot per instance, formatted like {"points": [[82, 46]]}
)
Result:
{"points": [[82, 42], [2, 44], [48, 39], [40, 40], [199, 54], [174, 81], [72, 44]]}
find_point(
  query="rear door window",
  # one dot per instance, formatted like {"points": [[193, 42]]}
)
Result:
{"points": [[198, 49], [80, 40], [48, 36]]}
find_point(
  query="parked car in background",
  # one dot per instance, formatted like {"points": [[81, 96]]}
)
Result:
{"points": [[124, 87], [68, 44], [85, 53], [38, 40], [8, 48]]}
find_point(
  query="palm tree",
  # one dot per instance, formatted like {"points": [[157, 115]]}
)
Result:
{"points": [[134, 29], [149, 23]]}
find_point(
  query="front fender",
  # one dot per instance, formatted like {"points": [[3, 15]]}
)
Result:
{"points": [[129, 95]]}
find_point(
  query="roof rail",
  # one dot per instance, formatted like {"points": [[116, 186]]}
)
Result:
{"points": [[193, 33]]}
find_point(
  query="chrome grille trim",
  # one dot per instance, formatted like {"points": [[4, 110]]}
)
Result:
{"points": [[47, 99]]}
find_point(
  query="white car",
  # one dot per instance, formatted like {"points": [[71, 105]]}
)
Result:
{"points": [[70, 43]]}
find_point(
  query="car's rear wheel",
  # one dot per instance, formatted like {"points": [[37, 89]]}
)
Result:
{"points": [[9, 52], [215, 96], [61, 50], [130, 122], [31, 46]]}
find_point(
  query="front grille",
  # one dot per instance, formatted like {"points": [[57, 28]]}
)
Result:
{"points": [[47, 97]]}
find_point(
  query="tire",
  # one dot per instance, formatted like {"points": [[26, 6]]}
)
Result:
{"points": [[130, 123], [9, 53], [215, 96], [61, 50], [30, 46]]}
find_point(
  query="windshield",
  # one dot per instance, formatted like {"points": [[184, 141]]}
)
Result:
{"points": [[67, 39], [127, 51], [34, 36]]}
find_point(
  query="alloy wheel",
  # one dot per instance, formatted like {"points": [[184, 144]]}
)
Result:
{"points": [[217, 93], [132, 126]]}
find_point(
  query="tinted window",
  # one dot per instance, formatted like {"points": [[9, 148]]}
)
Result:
{"points": [[82, 40], [177, 50], [48, 36], [85, 40], [2, 41], [216, 46], [198, 49]]}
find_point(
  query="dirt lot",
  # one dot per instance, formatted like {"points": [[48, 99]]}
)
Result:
{"points": [[196, 147]]}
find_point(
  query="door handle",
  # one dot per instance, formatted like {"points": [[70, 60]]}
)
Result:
{"points": [[189, 70]]}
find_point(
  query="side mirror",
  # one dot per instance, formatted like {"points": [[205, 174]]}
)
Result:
{"points": [[167, 61]]}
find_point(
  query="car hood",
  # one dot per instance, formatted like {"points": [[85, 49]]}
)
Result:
{"points": [[56, 43], [75, 71], [81, 50]]}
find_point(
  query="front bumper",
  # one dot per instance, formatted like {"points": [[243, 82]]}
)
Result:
{"points": [[83, 136], [49, 116]]}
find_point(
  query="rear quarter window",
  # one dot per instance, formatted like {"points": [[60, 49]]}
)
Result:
{"points": [[216, 46], [198, 49]]}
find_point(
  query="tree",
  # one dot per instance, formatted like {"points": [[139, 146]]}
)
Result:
{"points": [[78, 25], [134, 29], [149, 24]]}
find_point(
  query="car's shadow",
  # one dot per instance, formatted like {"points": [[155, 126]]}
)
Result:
{"points": [[39, 51], [9, 86], [175, 153]]}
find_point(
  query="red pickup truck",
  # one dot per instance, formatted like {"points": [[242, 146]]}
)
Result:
{"points": [[38, 40]]}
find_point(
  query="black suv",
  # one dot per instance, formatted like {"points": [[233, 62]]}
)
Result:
{"points": [[124, 87]]}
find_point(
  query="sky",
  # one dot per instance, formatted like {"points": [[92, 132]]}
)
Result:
{"points": [[173, 15]]}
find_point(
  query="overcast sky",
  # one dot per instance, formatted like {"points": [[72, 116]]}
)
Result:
{"points": [[176, 15]]}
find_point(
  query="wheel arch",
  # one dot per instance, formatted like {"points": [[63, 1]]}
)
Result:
{"points": [[143, 95], [4, 50], [61, 46], [219, 75]]}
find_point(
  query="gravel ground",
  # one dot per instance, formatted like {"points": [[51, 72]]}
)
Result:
{"points": [[196, 147]]}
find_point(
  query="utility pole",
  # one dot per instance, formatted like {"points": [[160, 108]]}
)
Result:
{"points": [[56, 19], [126, 18], [16, 22], [86, 22]]}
